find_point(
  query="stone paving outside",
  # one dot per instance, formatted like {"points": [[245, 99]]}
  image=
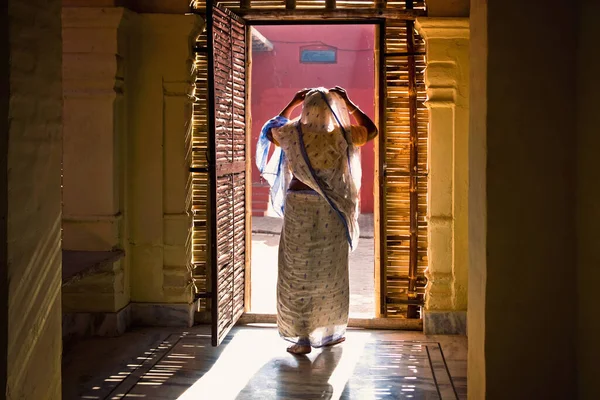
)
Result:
{"points": [[265, 241]]}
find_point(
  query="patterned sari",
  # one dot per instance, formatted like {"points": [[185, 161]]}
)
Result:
{"points": [[320, 225]]}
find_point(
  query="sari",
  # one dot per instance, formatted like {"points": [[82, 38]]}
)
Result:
{"points": [[320, 227]]}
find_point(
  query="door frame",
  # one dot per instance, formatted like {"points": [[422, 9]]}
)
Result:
{"points": [[381, 17]]}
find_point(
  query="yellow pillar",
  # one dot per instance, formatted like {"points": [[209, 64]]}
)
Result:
{"points": [[30, 198], [160, 114], [447, 80], [94, 59]]}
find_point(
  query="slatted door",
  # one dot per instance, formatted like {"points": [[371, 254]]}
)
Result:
{"points": [[227, 143], [403, 150]]}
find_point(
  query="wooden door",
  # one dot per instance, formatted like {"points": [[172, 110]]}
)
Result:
{"points": [[226, 34], [403, 166]]}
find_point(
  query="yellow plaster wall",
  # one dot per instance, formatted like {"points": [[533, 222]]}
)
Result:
{"points": [[128, 86], [461, 173], [477, 207], [34, 201], [95, 47], [522, 304], [160, 113], [588, 199]]}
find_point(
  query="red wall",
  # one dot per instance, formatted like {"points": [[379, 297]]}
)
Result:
{"points": [[277, 75]]}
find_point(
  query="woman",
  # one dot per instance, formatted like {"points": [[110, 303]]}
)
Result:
{"points": [[315, 180]]}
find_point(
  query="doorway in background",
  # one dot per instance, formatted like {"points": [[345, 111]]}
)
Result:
{"points": [[285, 59]]}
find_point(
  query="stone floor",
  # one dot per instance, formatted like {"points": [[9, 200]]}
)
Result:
{"points": [[265, 241], [157, 363]]}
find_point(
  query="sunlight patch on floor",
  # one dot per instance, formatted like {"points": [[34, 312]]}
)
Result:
{"points": [[252, 364], [240, 362]]}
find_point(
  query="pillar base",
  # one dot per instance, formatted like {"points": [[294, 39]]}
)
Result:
{"points": [[77, 325], [445, 322], [163, 314]]}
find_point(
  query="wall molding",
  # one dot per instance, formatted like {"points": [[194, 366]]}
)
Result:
{"points": [[443, 28]]}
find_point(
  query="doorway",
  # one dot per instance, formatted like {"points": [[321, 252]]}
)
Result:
{"points": [[220, 186], [285, 59]]}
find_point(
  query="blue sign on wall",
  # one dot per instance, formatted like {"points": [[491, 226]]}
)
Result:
{"points": [[318, 56]]}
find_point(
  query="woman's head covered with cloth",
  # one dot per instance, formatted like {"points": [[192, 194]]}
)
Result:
{"points": [[324, 111]]}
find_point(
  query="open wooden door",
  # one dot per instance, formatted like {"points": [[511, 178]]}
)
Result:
{"points": [[227, 164], [404, 169]]}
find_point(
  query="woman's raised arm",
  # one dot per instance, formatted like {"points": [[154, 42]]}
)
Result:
{"points": [[287, 110], [360, 117]]}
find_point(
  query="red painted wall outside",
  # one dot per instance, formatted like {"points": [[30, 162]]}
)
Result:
{"points": [[277, 75]]}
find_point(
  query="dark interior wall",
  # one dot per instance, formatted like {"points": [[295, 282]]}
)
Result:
{"points": [[588, 198], [4, 94], [33, 196], [448, 8], [436, 8], [141, 6], [531, 114]]}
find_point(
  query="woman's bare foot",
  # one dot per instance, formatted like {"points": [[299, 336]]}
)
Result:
{"points": [[340, 340], [298, 349]]}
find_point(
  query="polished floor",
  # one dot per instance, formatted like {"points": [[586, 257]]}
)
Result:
{"points": [[252, 364]]}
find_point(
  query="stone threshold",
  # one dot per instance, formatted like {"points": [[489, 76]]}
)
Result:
{"points": [[364, 323]]}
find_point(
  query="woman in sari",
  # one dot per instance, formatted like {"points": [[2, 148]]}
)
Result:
{"points": [[315, 176]]}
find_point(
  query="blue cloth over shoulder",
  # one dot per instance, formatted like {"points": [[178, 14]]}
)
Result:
{"points": [[274, 170]]}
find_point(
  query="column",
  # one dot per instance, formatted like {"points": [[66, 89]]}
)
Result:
{"points": [[30, 198], [160, 117], [95, 137], [447, 80]]}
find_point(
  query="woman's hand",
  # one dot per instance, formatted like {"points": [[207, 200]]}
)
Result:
{"points": [[299, 96], [296, 101], [344, 95], [360, 117], [342, 92]]}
